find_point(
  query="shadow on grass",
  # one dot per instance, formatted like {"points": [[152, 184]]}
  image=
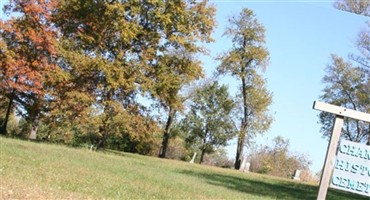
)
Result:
{"points": [[277, 189]]}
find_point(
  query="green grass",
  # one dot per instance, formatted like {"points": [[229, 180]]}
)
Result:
{"points": [[34, 170]]}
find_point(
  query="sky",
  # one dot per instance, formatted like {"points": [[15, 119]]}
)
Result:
{"points": [[300, 36]]}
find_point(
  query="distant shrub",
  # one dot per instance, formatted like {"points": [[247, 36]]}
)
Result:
{"points": [[276, 160]]}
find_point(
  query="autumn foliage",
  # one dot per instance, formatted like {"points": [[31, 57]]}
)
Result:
{"points": [[28, 55], [28, 47], [74, 70]]}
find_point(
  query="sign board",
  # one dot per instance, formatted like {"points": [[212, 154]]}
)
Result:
{"points": [[343, 178], [352, 168]]}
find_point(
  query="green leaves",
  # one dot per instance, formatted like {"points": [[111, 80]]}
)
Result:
{"points": [[347, 86], [209, 120], [347, 83], [114, 50]]}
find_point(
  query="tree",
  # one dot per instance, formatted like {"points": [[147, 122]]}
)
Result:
{"points": [[28, 51], [347, 86], [208, 121], [114, 50], [178, 66], [347, 82], [176, 70], [245, 60], [360, 7], [95, 43]]}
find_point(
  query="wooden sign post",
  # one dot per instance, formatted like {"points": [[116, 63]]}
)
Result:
{"points": [[340, 113]]}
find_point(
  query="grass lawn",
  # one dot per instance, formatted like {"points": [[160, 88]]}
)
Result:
{"points": [[31, 170]]}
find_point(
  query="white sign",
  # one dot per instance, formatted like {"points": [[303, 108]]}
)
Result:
{"points": [[352, 168]]}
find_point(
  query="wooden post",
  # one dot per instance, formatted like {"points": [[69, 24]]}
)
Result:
{"points": [[330, 154]]}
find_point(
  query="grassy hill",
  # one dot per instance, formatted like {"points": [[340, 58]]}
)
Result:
{"points": [[44, 171]]}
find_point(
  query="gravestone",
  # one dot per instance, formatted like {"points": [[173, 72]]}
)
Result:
{"points": [[244, 167], [247, 167], [194, 155], [297, 173]]}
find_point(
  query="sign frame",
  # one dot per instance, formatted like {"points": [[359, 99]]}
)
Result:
{"points": [[340, 113]]}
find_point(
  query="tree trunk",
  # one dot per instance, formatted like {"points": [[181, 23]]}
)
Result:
{"points": [[101, 141], [166, 134], [34, 128], [243, 129], [239, 151], [108, 116], [203, 149], [202, 155], [3, 129]]}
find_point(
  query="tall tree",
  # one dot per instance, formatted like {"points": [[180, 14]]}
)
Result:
{"points": [[175, 70], [28, 52], [209, 120], [347, 85], [348, 82], [246, 59], [178, 65]]}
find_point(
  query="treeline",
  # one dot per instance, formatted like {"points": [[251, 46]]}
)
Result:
{"points": [[74, 70], [117, 74], [124, 75]]}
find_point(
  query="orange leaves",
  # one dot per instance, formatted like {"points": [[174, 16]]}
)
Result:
{"points": [[28, 44]]}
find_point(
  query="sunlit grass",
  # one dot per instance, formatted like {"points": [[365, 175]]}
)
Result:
{"points": [[34, 171]]}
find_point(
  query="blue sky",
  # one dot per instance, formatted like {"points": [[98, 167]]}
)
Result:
{"points": [[300, 36]]}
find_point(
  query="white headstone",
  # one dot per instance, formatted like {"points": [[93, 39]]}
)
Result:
{"points": [[297, 174], [244, 167], [194, 155], [241, 168], [247, 167]]}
